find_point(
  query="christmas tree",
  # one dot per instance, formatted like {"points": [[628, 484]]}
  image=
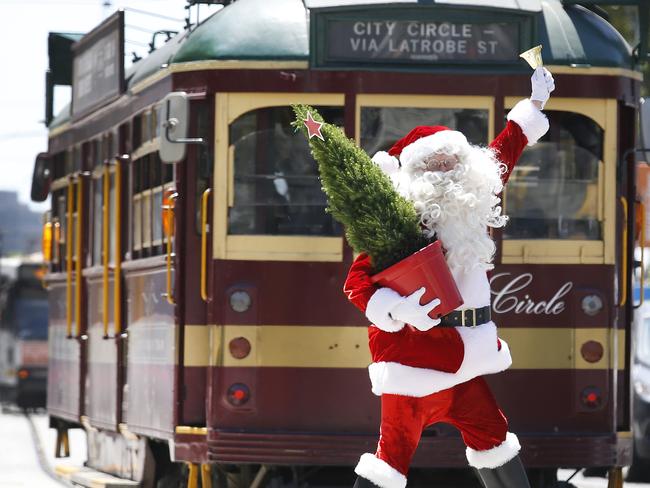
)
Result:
{"points": [[377, 219]]}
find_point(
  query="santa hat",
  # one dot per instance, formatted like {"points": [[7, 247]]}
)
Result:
{"points": [[420, 143]]}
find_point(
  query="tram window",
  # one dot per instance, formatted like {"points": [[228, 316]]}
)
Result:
{"points": [[111, 218], [553, 191], [97, 221], [276, 186], [137, 222], [382, 126], [137, 131], [96, 153], [61, 215], [150, 178], [58, 165], [31, 314]]}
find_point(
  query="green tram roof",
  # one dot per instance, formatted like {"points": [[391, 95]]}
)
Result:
{"points": [[251, 30], [278, 30]]}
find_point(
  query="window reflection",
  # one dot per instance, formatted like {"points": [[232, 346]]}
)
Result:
{"points": [[276, 185], [553, 191], [98, 215], [381, 127]]}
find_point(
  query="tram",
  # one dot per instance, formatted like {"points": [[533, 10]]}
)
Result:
{"points": [[23, 332], [197, 325]]}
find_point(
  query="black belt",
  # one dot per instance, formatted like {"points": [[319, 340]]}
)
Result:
{"points": [[466, 318]]}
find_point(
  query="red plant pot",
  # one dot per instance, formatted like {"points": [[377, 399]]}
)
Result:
{"points": [[427, 268]]}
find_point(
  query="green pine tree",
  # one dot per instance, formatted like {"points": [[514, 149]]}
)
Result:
{"points": [[377, 219]]}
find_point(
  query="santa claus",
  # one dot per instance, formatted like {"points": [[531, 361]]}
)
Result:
{"points": [[431, 370]]}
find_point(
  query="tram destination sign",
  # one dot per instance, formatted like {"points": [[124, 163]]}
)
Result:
{"points": [[98, 66], [399, 38]]}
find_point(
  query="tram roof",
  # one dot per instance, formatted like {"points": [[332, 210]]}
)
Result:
{"points": [[571, 34], [279, 31]]}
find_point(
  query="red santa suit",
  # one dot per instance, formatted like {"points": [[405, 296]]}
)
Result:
{"points": [[436, 376]]}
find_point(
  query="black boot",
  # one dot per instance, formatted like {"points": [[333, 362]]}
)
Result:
{"points": [[510, 475], [364, 483]]}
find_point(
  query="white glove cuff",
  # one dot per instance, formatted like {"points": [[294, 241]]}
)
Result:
{"points": [[379, 307], [532, 121]]}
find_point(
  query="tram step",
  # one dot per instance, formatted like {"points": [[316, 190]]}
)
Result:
{"points": [[90, 478]]}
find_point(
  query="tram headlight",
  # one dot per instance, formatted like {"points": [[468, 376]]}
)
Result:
{"points": [[240, 301], [592, 304], [238, 394]]}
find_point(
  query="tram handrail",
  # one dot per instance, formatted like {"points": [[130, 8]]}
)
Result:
{"points": [[623, 299], [105, 246], [79, 263], [204, 243], [68, 259], [117, 275], [168, 235]]}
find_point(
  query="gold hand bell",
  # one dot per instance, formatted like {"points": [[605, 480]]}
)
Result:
{"points": [[533, 57]]}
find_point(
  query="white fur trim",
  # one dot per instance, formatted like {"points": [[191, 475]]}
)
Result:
{"points": [[379, 307], [379, 472], [532, 121], [495, 457], [444, 141], [481, 358], [388, 164]]}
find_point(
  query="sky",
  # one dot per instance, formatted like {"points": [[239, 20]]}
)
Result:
{"points": [[24, 27]]}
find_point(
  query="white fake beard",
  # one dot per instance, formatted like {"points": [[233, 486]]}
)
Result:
{"points": [[459, 205]]}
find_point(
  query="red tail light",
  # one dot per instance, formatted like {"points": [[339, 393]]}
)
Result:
{"points": [[591, 397], [238, 394]]}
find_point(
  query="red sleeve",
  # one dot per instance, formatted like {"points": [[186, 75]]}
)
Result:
{"points": [[358, 287], [508, 146]]}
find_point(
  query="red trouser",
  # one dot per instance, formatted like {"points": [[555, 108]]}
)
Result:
{"points": [[470, 407]]}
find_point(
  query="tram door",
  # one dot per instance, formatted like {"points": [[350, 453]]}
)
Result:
{"points": [[191, 251], [67, 349], [103, 277]]}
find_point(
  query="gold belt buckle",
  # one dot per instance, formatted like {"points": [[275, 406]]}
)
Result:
{"points": [[463, 320]]}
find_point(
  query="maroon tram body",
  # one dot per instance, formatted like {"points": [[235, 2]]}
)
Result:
{"points": [[268, 367]]}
